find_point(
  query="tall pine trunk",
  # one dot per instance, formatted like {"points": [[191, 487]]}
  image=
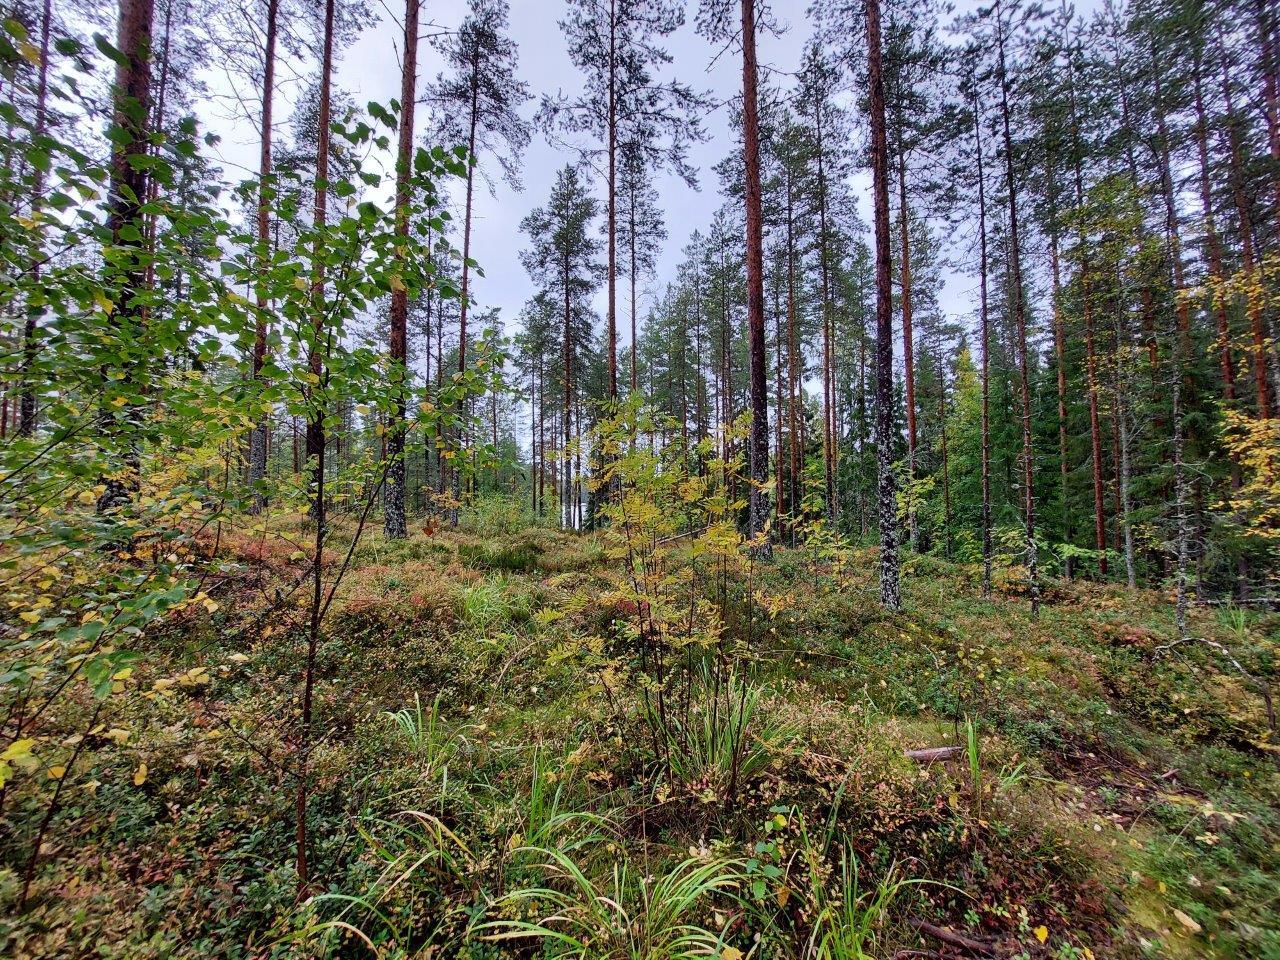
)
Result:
{"points": [[567, 425], [315, 356], [1253, 302], [30, 344], [1020, 318], [828, 361], [631, 278], [1212, 241], [1060, 358], [985, 319], [131, 108], [612, 226], [794, 491], [1270, 95], [758, 450], [908, 345], [890, 591], [393, 501], [777, 404], [258, 437]]}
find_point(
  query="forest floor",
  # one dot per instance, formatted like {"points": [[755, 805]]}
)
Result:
{"points": [[484, 764]]}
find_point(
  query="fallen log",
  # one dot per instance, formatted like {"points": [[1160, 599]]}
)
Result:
{"points": [[951, 937], [930, 754]]}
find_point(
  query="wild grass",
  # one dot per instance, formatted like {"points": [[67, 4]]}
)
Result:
{"points": [[973, 754], [848, 913], [626, 915], [498, 600], [723, 738], [412, 852], [427, 735], [547, 814]]}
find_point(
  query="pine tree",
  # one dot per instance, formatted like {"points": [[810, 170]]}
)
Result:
{"points": [[890, 594], [562, 261], [258, 438], [30, 345], [617, 46], [640, 232], [127, 190], [393, 499], [1017, 291], [478, 103], [815, 100]]}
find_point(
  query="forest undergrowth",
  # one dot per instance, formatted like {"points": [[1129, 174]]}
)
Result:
{"points": [[520, 752]]}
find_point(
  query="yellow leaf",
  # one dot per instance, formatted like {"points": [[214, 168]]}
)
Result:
{"points": [[140, 775], [30, 616], [730, 953], [57, 773], [17, 754], [1041, 932], [117, 735]]}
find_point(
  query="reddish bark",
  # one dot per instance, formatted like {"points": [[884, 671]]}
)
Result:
{"points": [[759, 440]]}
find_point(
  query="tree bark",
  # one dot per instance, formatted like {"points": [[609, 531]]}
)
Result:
{"points": [[908, 347], [632, 280], [30, 349], [1180, 343], [131, 109], [258, 436], [1060, 356], [828, 363], [315, 358], [394, 525], [1271, 101], [890, 592], [777, 404], [1253, 303], [612, 148], [1020, 316], [567, 426], [986, 353], [1212, 241], [1124, 467], [946, 467], [794, 489], [759, 445]]}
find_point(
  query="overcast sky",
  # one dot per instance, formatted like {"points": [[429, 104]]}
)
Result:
{"points": [[370, 70]]}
